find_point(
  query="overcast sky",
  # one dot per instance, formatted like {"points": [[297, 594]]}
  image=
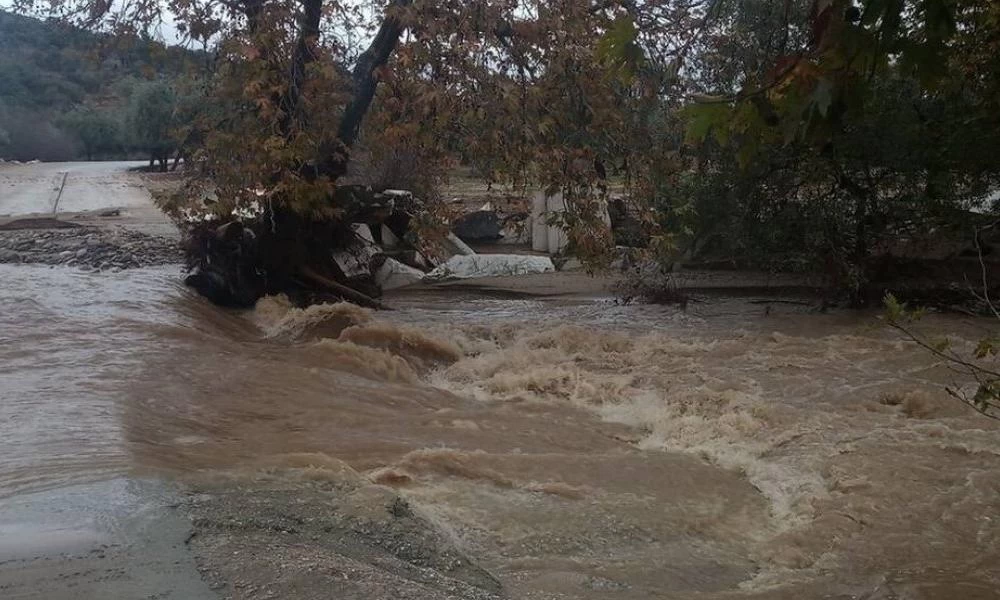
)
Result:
{"points": [[166, 32]]}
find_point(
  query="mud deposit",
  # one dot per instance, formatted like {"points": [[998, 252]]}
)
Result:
{"points": [[463, 447]]}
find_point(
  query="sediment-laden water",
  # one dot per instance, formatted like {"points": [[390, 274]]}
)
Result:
{"points": [[570, 447]]}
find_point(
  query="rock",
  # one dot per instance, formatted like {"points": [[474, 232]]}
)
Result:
{"points": [[482, 225], [390, 240], [491, 265], [87, 248], [114, 212]]}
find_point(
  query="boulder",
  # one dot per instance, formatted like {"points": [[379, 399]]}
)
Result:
{"points": [[479, 226]]}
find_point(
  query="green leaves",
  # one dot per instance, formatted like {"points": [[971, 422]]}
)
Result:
{"points": [[894, 309], [707, 117], [619, 49]]}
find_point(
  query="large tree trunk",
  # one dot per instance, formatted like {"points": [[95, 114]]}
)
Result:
{"points": [[284, 251], [335, 153]]}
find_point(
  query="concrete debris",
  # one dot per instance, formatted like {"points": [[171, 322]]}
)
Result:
{"points": [[390, 241], [355, 262], [490, 265], [546, 233], [394, 274], [455, 245]]}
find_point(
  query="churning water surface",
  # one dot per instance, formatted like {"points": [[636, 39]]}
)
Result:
{"points": [[577, 448]]}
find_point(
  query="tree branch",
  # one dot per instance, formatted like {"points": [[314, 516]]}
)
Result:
{"points": [[304, 53], [365, 78]]}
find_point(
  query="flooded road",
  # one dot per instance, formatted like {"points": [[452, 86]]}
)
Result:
{"points": [[570, 447]]}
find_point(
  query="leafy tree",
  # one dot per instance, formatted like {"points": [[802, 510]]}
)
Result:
{"points": [[151, 121], [98, 132], [807, 120], [868, 130], [50, 69], [25, 135], [978, 366], [541, 91]]}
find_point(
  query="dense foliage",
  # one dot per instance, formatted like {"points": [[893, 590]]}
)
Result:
{"points": [[874, 128], [805, 134]]}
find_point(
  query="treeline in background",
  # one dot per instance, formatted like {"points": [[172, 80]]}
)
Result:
{"points": [[69, 94]]}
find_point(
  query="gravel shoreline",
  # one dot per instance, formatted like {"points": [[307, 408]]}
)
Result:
{"points": [[88, 248]]}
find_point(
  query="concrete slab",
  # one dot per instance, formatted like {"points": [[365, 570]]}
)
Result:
{"points": [[88, 191], [85, 186]]}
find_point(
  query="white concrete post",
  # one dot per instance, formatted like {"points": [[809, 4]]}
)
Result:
{"points": [[556, 205], [539, 230]]}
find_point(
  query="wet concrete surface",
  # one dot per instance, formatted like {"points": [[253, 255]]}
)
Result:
{"points": [[120, 538], [82, 192], [34, 188]]}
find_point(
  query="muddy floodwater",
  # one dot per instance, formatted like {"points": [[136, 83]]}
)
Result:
{"points": [[565, 447]]}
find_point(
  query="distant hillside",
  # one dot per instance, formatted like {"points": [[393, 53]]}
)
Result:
{"points": [[51, 73]]}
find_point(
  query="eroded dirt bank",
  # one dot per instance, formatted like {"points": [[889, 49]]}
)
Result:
{"points": [[465, 446]]}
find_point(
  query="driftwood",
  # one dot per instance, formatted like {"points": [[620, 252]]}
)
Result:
{"points": [[341, 290]]}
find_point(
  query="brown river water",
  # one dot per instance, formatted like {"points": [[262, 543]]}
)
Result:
{"points": [[575, 448]]}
